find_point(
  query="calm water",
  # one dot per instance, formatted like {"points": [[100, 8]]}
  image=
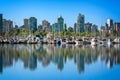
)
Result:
{"points": [[65, 62]]}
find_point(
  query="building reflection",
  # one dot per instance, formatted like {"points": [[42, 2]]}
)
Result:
{"points": [[1, 62], [30, 55]]}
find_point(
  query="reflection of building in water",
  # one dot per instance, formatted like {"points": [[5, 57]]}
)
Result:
{"points": [[40, 49], [26, 60], [110, 59], [60, 63], [88, 58], [46, 54], [110, 62], [33, 62], [94, 55], [8, 59], [109, 56], [1, 62], [55, 58], [46, 60], [80, 62], [49, 48], [117, 57], [58, 58]]}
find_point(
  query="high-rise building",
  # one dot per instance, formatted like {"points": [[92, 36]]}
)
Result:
{"points": [[59, 26], [55, 27], [26, 23], [1, 23], [1, 63], [16, 26], [46, 25], [75, 27], [61, 23], [33, 24], [87, 27], [40, 28], [65, 27], [117, 27], [7, 25], [106, 27], [94, 28], [110, 24], [4, 25], [80, 23], [102, 28]]}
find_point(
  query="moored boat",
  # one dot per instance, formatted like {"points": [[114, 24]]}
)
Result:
{"points": [[116, 40], [94, 42]]}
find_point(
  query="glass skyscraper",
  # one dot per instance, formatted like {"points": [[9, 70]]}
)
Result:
{"points": [[1, 23], [7, 25], [55, 27], [110, 24], [80, 23], [61, 24], [26, 23], [33, 24], [87, 27]]}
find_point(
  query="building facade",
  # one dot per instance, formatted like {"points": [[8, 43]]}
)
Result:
{"points": [[110, 24], [1, 23], [94, 28], [80, 23], [59, 26], [46, 25], [33, 24], [61, 23], [55, 27], [7, 25], [117, 26], [87, 27], [40, 28], [26, 23], [65, 27], [75, 25]]}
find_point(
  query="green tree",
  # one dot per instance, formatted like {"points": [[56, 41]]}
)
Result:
{"points": [[70, 29]]}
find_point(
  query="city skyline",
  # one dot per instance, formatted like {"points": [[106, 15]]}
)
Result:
{"points": [[95, 12]]}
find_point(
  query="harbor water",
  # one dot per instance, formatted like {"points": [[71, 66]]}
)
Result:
{"points": [[59, 62]]}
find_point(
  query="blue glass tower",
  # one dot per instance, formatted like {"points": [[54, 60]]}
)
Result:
{"points": [[1, 23], [33, 24], [61, 24], [80, 23]]}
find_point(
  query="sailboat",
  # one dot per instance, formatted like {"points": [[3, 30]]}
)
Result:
{"points": [[117, 40]]}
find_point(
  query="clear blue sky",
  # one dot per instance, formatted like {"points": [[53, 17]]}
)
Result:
{"points": [[95, 11]]}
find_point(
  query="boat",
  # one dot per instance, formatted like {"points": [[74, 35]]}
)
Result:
{"points": [[116, 40], [53, 41], [45, 41], [39, 39], [110, 41], [58, 41], [86, 41], [32, 39], [103, 41], [94, 42], [63, 40], [70, 41], [78, 42], [5, 41]]}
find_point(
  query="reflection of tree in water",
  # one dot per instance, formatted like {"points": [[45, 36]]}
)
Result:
{"points": [[30, 54]]}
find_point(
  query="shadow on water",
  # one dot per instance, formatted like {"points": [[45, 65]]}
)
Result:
{"points": [[30, 55]]}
